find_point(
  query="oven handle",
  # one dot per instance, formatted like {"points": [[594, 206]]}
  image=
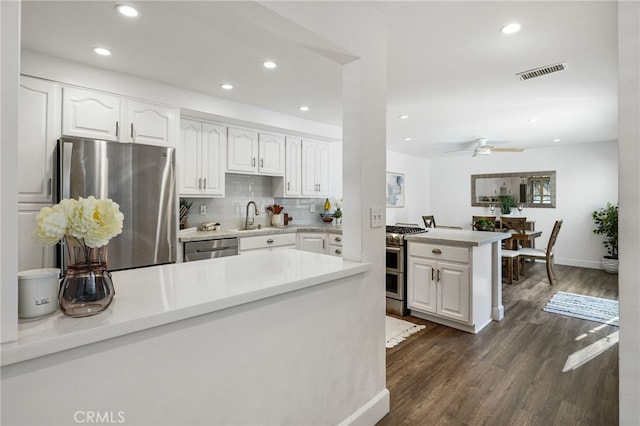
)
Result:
{"points": [[394, 249]]}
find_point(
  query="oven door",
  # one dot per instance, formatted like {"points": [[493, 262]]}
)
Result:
{"points": [[395, 285], [395, 259]]}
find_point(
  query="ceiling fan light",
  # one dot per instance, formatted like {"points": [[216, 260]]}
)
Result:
{"points": [[511, 28], [127, 11]]}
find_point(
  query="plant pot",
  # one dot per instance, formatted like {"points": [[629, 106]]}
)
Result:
{"points": [[276, 220], [610, 265]]}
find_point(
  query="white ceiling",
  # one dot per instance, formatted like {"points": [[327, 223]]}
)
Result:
{"points": [[449, 68]]}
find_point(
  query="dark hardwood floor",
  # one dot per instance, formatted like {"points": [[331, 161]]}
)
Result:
{"points": [[511, 373]]}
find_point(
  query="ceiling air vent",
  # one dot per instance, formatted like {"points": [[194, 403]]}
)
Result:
{"points": [[538, 72]]}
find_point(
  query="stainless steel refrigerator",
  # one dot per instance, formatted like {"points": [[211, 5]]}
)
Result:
{"points": [[141, 179]]}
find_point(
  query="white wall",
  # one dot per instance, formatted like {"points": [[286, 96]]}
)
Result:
{"points": [[9, 72], [587, 177], [417, 190], [629, 136]]}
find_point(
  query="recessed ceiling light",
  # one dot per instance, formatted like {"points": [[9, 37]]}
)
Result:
{"points": [[514, 27], [408, 139], [226, 86], [403, 116], [127, 10], [533, 121], [304, 108], [102, 51], [556, 140], [269, 64]]}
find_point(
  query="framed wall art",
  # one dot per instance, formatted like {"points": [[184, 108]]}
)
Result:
{"points": [[395, 189]]}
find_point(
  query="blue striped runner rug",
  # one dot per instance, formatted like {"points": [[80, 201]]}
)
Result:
{"points": [[584, 307]]}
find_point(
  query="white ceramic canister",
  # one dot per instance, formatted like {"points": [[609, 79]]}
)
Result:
{"points": [[38, 292]]}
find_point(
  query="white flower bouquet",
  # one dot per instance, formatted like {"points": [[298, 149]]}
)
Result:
{"points": [[92, 220]]}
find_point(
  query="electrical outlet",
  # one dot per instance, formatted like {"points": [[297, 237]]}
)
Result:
{"points": [[203, 209], [376, 217], [312, 208]]}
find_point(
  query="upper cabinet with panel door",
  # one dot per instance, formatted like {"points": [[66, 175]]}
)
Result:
{"points": [[316, 157], [201, 158], [38, 130], [255, 153], [99, 115], [290, 185]]}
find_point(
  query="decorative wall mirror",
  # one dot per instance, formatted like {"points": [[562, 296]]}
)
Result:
{"points": [[531, 189]]}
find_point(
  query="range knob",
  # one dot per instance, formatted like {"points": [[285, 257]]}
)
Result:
{"points": [[397, 239]]}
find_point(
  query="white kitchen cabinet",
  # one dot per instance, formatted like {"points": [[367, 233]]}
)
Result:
{"points": [[150, 124], [266, 242], [335, 244], [31, 253], [256, 153], [242, 150], [38, 130], [439, 282], [98, 115], [315, 242], [90, 114], [271, 151], [320, 242], [290, 184], [316, 157], [201, 157]]}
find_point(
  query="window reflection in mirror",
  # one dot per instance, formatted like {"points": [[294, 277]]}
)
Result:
{"points": [[532, 189]]}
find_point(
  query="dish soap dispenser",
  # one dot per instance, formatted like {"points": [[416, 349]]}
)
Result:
{"points": [[327, 205]]}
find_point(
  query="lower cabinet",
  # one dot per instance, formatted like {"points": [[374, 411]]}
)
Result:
{"points": [[441, 287], [266, 242], [319, 242], [312, 241], [31, 253]]}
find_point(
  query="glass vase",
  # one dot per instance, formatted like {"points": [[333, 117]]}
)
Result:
{"points": [[87, 288]]}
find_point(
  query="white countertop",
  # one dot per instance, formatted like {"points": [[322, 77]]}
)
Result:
{"points": [[270, 230], [149, 297], [457, 237]]}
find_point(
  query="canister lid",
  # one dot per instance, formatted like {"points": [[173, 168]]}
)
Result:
{"points": [[38, 273]]}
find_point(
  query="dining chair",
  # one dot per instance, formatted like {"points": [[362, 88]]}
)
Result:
{"points": [[477, 227], [429, 221], [511, 264], [514, 225], [545, 254]]}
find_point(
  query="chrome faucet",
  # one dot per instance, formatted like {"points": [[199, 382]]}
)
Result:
{"points": [[246, 221]]}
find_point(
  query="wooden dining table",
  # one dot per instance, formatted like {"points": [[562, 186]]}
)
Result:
{"points": [[526, 240]]}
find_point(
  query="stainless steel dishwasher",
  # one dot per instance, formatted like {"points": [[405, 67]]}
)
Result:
{"points": [[209, 249]]}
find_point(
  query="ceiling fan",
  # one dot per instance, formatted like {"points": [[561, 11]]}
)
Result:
{"points": [[480, 147]]}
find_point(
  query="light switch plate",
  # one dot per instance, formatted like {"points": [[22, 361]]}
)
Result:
{"points": [[203, 209], [312, 208], [376, 217]]}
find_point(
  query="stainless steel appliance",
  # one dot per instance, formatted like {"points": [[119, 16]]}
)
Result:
{"points": [[396, 266], [141, 179], [209, 249]]}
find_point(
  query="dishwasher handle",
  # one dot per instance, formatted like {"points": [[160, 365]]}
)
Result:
{"points": [[213, 249]]}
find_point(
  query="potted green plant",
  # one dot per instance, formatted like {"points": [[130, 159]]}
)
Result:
{"points": [[606, 220], [506, 202], [483, 224]]}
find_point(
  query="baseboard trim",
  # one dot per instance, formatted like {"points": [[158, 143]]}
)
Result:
{"points": [[371, 412], [580, 263]]}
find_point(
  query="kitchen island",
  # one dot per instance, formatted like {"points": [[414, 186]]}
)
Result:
{"points": [[454, 277], [200, 342]]}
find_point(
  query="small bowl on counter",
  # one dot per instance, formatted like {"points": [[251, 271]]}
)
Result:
{"points": [[326, 217]]}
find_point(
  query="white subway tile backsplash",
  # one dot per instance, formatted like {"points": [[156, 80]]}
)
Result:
{"points": [[230, 211]]}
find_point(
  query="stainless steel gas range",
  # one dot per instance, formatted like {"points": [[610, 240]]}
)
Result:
{"points": [[396, 266]]}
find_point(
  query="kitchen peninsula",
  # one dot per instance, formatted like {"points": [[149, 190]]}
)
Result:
{"points": [[454, 277], [179, 338]]}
